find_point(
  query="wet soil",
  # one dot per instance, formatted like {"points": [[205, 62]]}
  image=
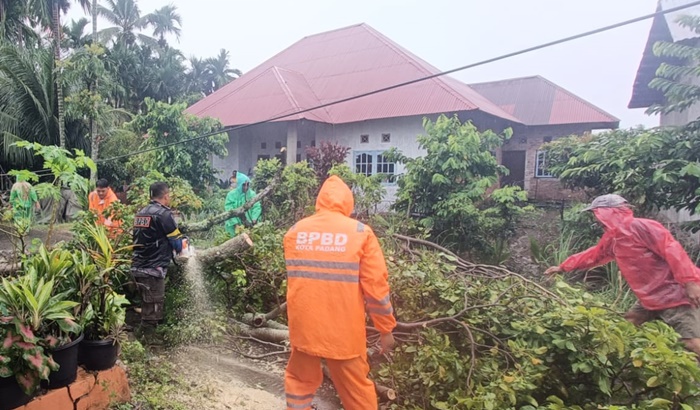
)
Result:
{"points": [[225, 380]]}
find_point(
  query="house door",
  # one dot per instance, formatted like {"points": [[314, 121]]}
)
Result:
{"points": [[515, 162]]}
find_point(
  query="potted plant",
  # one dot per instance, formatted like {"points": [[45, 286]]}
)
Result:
{"points": [[57, 266], [104, 313], [36, 323], [23, 362]]}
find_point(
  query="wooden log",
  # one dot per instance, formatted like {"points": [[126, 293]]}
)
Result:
{"points": [[385, 393], [263, 333], [234, 247], [260, 319], [222, 217]]}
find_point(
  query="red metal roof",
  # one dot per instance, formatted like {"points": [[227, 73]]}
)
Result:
{"points": [[538, 101], [339, 64]]}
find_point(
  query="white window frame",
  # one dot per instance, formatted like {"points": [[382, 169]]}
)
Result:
{"points": [[376, 161], [541, 170]]}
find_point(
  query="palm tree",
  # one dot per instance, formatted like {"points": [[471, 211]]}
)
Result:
{"points": [[127, 20], [198, 77], [94, 13], [75, 34], [164, 21], [49, 13], [220, 72], [166, 78], [27, 100], [14, 22]]}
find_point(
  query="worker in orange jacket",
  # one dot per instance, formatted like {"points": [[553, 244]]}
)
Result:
{"points": [[335, 272], [99, 200]]}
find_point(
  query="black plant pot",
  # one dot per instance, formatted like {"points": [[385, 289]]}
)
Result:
{"points": [[11, 394], [67, 358], [98, 354]]}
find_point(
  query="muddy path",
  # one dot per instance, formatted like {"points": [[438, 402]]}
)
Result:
{"points": [[222, 380]]}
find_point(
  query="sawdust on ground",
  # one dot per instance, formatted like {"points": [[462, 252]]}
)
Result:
{"points": [[221, 380]]}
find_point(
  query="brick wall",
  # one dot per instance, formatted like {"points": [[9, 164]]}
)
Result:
{"points": [[530, 139]]}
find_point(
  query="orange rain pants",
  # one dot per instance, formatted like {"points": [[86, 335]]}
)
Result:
{"points": [[304, 376]]}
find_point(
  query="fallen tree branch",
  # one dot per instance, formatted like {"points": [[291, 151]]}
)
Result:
{"points": [[256, 340], [259, 356], [223, 217], [260, 320], [232, 248], [263, 333], [486, 269]]}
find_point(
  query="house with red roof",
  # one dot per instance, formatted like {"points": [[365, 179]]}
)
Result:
{"points": [[352, 61]]}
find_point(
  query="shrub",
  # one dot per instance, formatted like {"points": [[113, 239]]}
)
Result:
{"points": [[324, 157], [508, 344]]}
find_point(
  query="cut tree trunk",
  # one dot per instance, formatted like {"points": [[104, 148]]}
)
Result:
{"points": [[232, 248], [263, 333], [265, 319]]}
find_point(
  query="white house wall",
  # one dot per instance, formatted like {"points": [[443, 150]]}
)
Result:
{"points": [[246, 145]]}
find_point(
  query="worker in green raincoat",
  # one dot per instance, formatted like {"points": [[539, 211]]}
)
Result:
{"points": [[24, 201], [238, 196]]}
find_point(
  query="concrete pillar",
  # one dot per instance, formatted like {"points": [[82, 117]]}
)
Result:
{"points": [[292, 138]]}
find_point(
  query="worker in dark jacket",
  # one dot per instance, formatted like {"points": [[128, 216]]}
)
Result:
{"points": [[156, 236]]}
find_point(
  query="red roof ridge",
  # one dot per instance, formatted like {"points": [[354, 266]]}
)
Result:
{"points": [[290, 93], [580, 99], [557, 87], [429, 69], [284, 86], [507, 80], [231, 86], [222, 94], [332, 31]]}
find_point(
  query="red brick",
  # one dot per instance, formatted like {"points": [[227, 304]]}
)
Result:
{"points": [[54, 399], [82, 385], [111, 386]]}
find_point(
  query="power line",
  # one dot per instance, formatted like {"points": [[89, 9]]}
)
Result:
{"points": [[454, 70]]}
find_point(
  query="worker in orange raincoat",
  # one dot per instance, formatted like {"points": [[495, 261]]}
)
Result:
{"points": [[335, 273], [99, 200], [656, 267]]}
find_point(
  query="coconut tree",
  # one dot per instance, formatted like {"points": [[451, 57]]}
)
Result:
{"points": [[49, 13], [75, 36], [27, 100], [165, 20], [166, 79], [221, 73], [126, 17], [198, 77], [14, 22]]}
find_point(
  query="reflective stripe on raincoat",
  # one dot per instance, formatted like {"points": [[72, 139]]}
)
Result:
{"points": [[237, 198], [654, 264], [335, 272]]}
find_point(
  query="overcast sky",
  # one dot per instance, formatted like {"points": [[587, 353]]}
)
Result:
{"points": [[446, 33]]}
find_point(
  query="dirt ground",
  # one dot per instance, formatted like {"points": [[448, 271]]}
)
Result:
{"points": [[542, 226], [61, 232], [221, 381]]}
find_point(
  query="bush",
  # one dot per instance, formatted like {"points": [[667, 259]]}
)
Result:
{"points": [[293, 198], [449, 189], [515, 346], [324, 157], [182, 197]]}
